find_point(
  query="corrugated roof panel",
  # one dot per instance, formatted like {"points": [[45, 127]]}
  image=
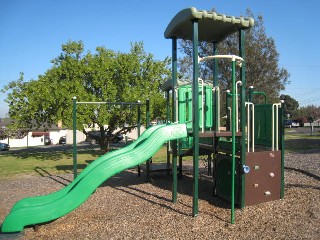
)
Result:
{"points": [[213, 27]]}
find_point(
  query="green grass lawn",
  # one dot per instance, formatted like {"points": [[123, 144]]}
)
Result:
{"points": [[14, 163], [301, 142], [44, 163]]}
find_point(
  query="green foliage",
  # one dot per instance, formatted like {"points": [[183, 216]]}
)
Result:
{"points": [[104, 75], [308, 113], [262, 60], [290, 105]]}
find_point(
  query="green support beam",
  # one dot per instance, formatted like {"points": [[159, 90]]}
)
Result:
{"points": [[147, 113], [139, 120], [74, 126], [215, 84], [195, 118], [281, 123], [233, 129], [168, 119], [242, 111], [174, 142]]}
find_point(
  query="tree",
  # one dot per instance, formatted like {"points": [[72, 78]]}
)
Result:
{"points": [[308, 114], [290, 105], [45, 101], [104, 75], [311, 117], [262, 61]]}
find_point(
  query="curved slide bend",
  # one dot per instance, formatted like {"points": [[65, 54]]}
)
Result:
{"points": [[24, 214]]}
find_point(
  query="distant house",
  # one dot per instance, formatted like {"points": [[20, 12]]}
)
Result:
{"points": [[314, 124], [42, 136]]}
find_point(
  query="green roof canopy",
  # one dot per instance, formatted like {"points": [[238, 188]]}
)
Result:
{"points": [[213, 27]]}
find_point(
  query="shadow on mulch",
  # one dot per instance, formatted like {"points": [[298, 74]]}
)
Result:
{"points": [[127, 180], [185, 187], [301, 186], [143, 193], [44, 173], [309, 174], [11, 236]]}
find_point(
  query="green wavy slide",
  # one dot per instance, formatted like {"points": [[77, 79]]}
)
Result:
{"points": [[41, 209]]}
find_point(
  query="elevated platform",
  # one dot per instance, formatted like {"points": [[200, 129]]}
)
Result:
{"points": [[217, 134]]}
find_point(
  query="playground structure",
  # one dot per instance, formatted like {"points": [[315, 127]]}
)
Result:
{"points": [[249, 156]]}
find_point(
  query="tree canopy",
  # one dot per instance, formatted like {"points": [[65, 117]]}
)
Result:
{"points": [[104, 75], [308, 113], [290, 105], [262, 60]]}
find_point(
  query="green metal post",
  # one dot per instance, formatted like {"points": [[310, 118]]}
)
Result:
{"points": [[242, 112], [281, 119], [147, 113], [233, 117], [147, 126], [174, 143], [250, 94], [139, 119], [74, 119], [139, 129], [195, 118], [168, 119], [215, 84], [168, 106]]}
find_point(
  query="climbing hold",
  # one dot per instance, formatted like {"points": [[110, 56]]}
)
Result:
{"points": [[246, 169]]}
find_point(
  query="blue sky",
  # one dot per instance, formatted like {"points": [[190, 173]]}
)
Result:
{"points": [[32, 32]]}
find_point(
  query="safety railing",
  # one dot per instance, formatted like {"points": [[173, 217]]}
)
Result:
{"points": [[250, 125], [217, 90], [275, 126]]}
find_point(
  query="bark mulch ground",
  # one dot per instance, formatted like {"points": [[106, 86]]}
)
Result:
{"points": [[126, 207]]}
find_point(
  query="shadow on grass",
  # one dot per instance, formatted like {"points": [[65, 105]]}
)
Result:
{"points": [[89, 161], [53, 153], [41, 155], [301, 145], [69, 168]]}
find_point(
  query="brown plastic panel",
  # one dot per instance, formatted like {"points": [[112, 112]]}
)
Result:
{"points": [[264, 177]]}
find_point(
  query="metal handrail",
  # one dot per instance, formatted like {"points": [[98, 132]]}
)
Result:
{"points": [[250, 104], [275, 126]]}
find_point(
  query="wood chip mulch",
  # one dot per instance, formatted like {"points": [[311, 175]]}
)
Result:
{"points": [[126, 207]]}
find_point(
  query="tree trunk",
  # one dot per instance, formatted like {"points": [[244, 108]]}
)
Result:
{"points": [[311, 128], [102, 142]]}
